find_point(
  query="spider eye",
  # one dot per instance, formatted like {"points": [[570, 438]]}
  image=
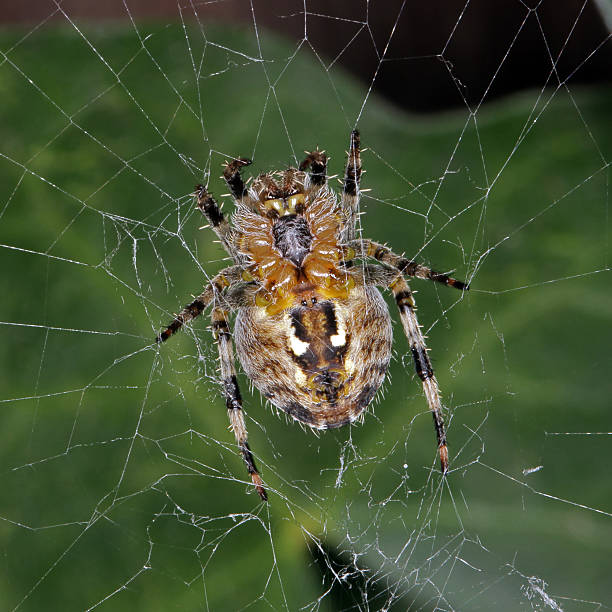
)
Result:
{"points": [[290, 205], [295, 203], [275, 204]]}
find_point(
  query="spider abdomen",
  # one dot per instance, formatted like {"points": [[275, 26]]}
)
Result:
{"points": [[321, 361]]}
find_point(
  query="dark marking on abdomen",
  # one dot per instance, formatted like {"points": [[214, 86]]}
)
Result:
{"points": [[315, 326], [365, 397], [297, 322], [328, 384], [299, 412], [330, 318]]}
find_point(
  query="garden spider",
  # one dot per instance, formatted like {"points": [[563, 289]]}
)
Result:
{"points": [[312, 331]]}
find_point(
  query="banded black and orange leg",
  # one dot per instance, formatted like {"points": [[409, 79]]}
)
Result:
{"points": [[407, 308], [233, 178], [350, 191], [315, 164], [220, 225], [231, 391], [221, 281], [369, 248]]}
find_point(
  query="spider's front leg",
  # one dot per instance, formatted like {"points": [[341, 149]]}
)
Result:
{"points": [[369, 248], [350, 191], [233, 178], [407, 307], [233, 398], [315, 164], [220, 225]]}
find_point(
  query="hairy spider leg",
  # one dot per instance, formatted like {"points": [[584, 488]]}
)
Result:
{"points": [[350, 191], [219, 223], [387, 276], [315, 164], [369, 248], [407, 308], [231, 174], [236, 296], [224, 279], [233, 398]]}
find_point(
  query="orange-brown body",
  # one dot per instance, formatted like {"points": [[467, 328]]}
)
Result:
{"points": [[317, 341]]}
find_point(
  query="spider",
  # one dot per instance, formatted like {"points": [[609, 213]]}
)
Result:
{"points": [[312, 331]]}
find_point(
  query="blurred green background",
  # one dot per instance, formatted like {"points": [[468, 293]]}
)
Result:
{"points": [[121, 486]]}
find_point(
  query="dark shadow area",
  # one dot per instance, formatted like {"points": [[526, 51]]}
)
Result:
{"points": [[465, 52], [348, 587]]}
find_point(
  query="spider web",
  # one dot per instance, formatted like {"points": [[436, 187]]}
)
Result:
{"points": [[123, 489]]}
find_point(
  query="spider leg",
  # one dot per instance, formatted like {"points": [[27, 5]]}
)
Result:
{"points": [[231, 174], [369, 248], [224, 279], [220, 225], [233, 399], [407, 308], [241, 295], [350, 191], [317, 162], [371, 273]]}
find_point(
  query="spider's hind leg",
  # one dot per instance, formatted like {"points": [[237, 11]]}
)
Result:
{"points": [[233, 398], [407, 308]]}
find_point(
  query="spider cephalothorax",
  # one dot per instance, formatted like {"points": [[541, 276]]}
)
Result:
{"points": [[288, 233], [312, 331]]}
